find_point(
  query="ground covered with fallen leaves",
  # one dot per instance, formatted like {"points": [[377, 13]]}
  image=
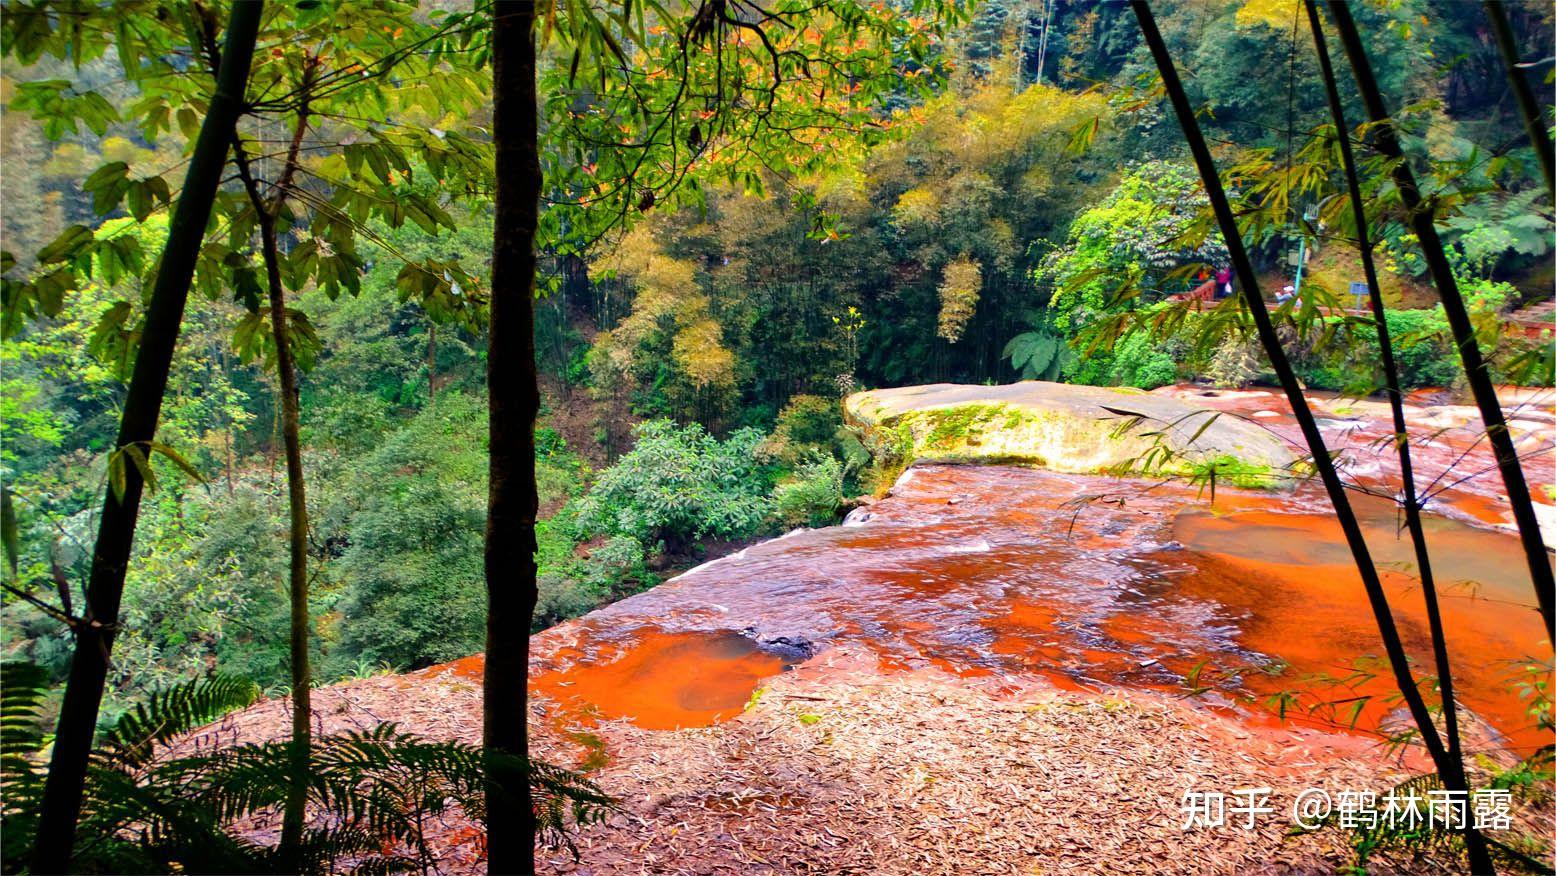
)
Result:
{"points": [[836, 767]]}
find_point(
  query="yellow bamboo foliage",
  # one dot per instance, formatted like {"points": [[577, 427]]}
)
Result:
{"points": [[700, 354], [631, 254], [666, 300], [960, 285], [664, 288], [1279, 14], [917, 207]]}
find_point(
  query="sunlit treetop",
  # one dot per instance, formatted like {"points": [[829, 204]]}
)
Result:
{"points": [[649, 101]]}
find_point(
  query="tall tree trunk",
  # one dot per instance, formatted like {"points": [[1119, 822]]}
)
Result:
{"points": [[266, 214], [1454, 778], [1536, 120], [1322, 461], [61, 805], [515, 401], [432, 364], [227, 416], [297, 544], [1476, 370]]}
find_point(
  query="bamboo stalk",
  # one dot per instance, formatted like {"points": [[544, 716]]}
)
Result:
{"points": [[1452, 770], [514, 401], [1476, 370], [1265, 326]]}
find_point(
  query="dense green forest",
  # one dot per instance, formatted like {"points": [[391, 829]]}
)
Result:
{"points": [[1014, 202]]}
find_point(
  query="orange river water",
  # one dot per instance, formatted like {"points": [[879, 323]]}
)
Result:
{"points": [[1248, 602]]}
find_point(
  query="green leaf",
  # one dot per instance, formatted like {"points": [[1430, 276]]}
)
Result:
{"points": [[142, 465], [250, 336], [9, 533], [107, 185], [50, 290], [138, 199], [118, 479], [65, 246], [188, 123], [1082, 135], [173, 712], [178, 459]]}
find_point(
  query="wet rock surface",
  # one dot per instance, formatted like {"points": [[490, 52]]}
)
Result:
{"points": [[1066, 428]]}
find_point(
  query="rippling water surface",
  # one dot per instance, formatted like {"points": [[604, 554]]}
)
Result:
{"points": [[1249, 601]]}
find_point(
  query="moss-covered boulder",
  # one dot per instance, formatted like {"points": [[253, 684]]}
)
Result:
{"points": [[1068, 428]]}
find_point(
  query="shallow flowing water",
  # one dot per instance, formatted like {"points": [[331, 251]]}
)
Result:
{"points": [[1247, 602]]}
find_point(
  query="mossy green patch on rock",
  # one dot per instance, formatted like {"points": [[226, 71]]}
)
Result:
{"points": [[1064, 427]]}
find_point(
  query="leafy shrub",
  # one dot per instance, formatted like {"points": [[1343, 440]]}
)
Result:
{"points": [[1422, 348], [416, 592], [1349, 362], [1236, 362], [1143, 229], [1139, 361], [414, 580], [808, 424], [616, 568], [812, 496], [679, 484], [560, 596], [412, 519], [1038, 354], [809, 420]]}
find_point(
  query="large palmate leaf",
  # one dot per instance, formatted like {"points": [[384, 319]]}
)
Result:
{"points": [[1037, 355]]}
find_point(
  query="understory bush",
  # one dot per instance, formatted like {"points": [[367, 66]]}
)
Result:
{"points": [[416, 591], [1140, 361], [411, 522], [679, 484], [812, 496], [808, 421], [1349, 361], [371, 792]]}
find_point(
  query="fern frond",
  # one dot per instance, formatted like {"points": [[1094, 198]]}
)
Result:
{"points": [[351, 850], [23, 689], [558, 794], [131, 825], [174, 712], [230, 782], [371, 790]]}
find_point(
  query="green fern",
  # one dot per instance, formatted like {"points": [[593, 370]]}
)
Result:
{"points": [[23, 689], [174, 712], [370, 792]]}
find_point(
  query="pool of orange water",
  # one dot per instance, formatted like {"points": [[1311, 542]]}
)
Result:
{"points": [[1289, 578], [662, 680], [1248, 602]]}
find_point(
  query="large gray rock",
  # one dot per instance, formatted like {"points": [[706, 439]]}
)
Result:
{"points": [[1066, 427]]}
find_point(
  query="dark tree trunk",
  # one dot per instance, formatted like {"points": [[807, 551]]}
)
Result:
{"points": [[297, 522], [1476, 370], [1534, 119], [297, 544], [432, 364], [266, 214], [1452, 770], [515, 400], [61, 805], [1268, 337]]}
